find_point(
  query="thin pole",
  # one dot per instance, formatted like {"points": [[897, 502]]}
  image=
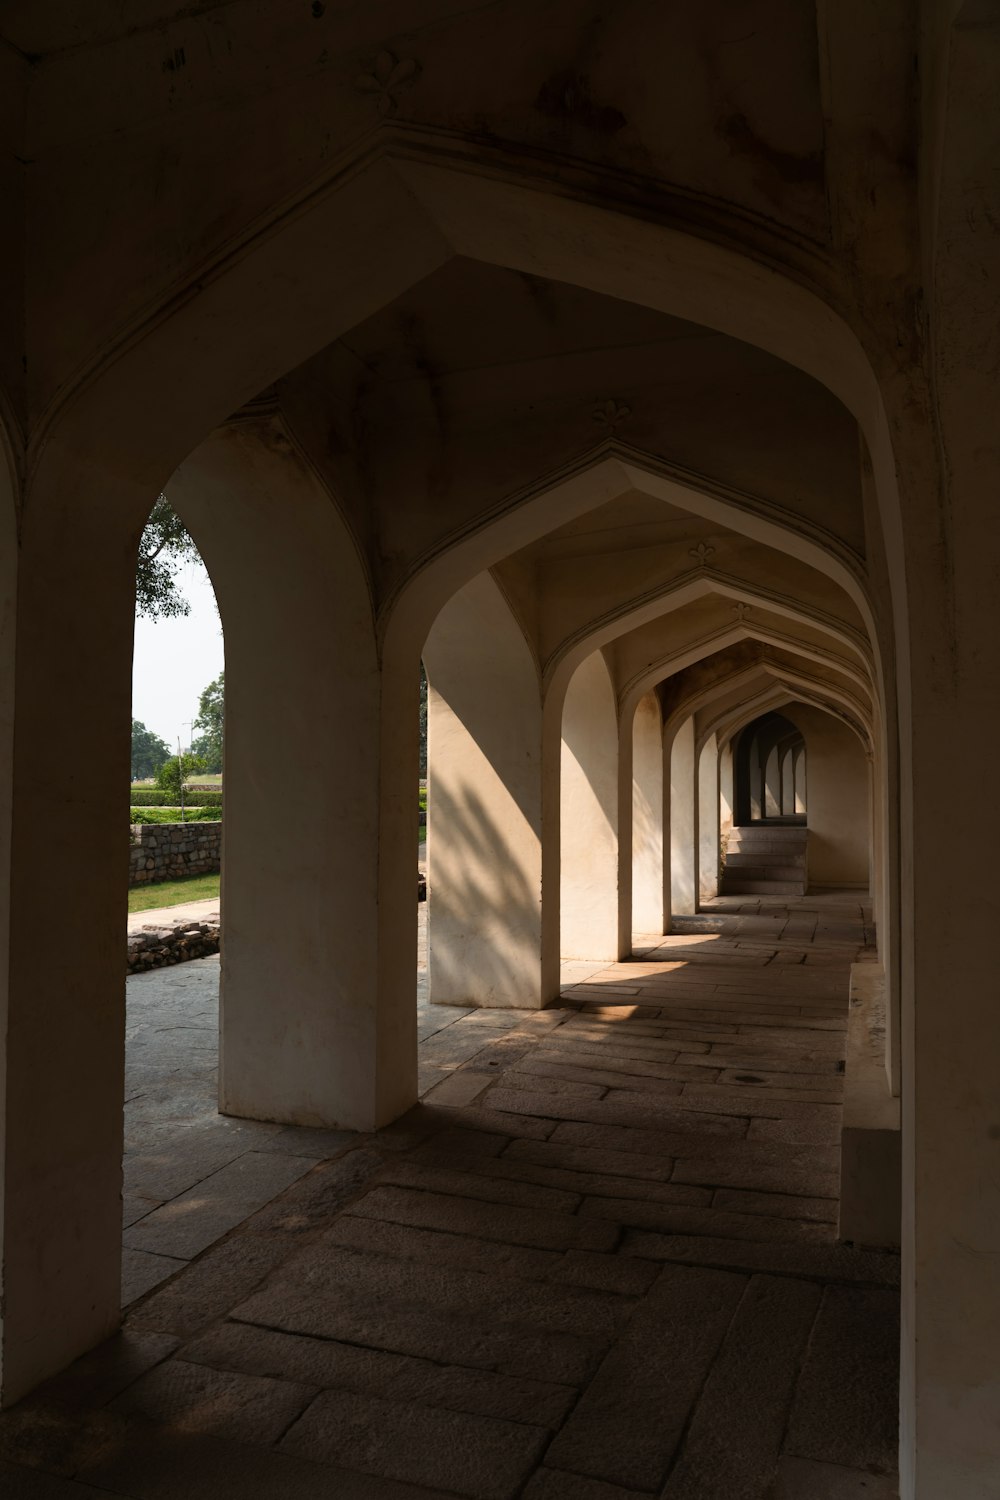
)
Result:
{"points": [[180, 767]]}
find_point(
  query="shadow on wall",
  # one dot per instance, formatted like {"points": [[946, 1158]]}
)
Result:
{"points": [[483, 902]]}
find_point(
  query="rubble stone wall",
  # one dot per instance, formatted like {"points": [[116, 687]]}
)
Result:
{"points": [[167, 851], [160, 944]]}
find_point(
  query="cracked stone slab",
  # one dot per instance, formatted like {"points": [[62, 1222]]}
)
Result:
{"points": [[629, 1421], [326, 1363], [196, 1398], [846, 1405], [477, 1456]]}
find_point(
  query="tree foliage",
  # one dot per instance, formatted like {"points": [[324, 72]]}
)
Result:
{"points": [[207, 726], [148, 751], [168, 777], [163, 549]]}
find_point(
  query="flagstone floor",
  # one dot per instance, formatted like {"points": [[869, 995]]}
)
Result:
{"points": [[597, 1262]]}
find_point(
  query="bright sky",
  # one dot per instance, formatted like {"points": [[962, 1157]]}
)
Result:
{"points": [[175, 660]]}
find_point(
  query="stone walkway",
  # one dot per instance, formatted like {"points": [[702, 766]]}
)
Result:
{"points": [[187, 911], [598, 1262]]}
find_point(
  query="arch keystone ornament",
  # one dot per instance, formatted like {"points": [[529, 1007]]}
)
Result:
{"points": [[610, 415], [741, 610], [702, 553], [388, 74]]}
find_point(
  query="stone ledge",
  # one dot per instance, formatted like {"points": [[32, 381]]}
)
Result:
{"points": [[871, 1162]]}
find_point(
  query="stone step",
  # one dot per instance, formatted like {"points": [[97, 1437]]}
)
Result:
{"points": [[767, 853], [765, 835], [770, 857], [733, 886], [757, 870]]}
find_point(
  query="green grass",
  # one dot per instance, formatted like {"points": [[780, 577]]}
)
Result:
{"points": [[174, 892], [173, 815], [212, 779]]}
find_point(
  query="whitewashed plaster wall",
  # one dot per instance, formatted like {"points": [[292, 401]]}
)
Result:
{"points": [[647, 816], [837, 800], [589, 815], [484, 821]]}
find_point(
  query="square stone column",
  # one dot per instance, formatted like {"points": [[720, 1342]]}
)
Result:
{"points": [[484, 823]]}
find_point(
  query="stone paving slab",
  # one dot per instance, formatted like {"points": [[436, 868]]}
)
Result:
{"points": [[155, 1462], [437, 1173], [553, 1155], [764, 1167], [443, 1336], [222, 1200], [601, 1230], [469, 1252], [569, 1088], [493, 1174], [838, 1417], [17, 1483], [785, 1205], [195, 1398], [732, 1446], [670, 1218], [516, 1226], [328, 1364], [553, 1484], [141, 1271], [640, 1113], [666, 1082], [629, 1421], [103, 1373], [799, 1479], [814, 1130], [836, 1264], [210, 1285], [471, 1455]]}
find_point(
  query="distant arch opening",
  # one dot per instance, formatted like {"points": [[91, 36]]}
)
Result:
{"points": [[769, 764]]}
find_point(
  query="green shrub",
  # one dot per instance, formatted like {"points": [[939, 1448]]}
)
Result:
{"points": [[171, 815], [152, 797], [177, 769]]}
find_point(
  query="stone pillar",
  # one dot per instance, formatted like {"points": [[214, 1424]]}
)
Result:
{"points": [[772, 784], [951, 1119], [310, 1033], [727, 789], [484, 805], [788, 782], [589, 805], [683, 821], [800, 779], [65, 659], [647, 816], [756, 771], [708, 820]]}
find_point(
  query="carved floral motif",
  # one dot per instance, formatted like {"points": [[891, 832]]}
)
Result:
{"points": [[610, 414], [388, 75], [702, 553]]}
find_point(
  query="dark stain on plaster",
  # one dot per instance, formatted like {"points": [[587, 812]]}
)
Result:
{"points": [[743, 140], [175, 61], [318, 9], [567, 96]]}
